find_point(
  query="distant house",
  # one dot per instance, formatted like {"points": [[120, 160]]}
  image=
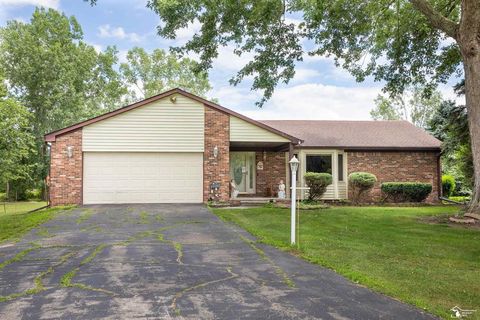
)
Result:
{"points": [[179, 148]]}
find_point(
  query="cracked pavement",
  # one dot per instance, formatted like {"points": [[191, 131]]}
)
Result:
{"points": [[168, 261]]}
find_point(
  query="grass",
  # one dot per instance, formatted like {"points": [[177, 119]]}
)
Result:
{"points": [[391, 250], [84, 216], [16, 223], [20, 207]]}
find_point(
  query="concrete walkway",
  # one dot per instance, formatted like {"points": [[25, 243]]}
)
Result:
{"points": [[170, 261]]}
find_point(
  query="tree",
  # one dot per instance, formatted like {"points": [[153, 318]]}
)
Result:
{"points": [[413, 106], [402, 42], [57, 76], [149, 74], [16, 141], [449, 123]]}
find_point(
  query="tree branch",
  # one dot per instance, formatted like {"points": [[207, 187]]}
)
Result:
{"points": [[437, 20]]}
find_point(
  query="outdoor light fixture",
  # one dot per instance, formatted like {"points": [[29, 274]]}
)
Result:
{"points": [[70, 151], [215, 152], [294, 167], [173, 99]]}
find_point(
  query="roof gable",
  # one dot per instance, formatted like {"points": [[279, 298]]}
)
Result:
{"points": [[50, 137]]}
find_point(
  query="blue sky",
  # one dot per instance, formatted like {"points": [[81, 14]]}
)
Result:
{"points": [[319, 90]]}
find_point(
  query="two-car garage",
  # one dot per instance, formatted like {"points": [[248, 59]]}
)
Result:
{"points": [[142, 177], [152, 154]]}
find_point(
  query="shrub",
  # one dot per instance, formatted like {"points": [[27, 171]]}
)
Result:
{"points": [[360, 183], [406, 191], [33, 194], [3, 197], [448, 185], [318, 183]]}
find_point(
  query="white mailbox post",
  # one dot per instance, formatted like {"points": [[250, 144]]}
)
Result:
{"points": [[294, 167]]}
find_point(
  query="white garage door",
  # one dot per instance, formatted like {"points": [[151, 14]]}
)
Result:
{"points": [[131, 177]]}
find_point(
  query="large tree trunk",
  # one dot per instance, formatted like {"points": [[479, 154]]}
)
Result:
{"points": [[468, 38], [472, 95]]}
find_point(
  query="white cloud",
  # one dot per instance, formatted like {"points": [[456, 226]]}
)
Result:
{"points": [[41, 3], [98, 47], [106, 31], [448, 94], [305, 101], [235, 98], [228, 60], [303, 74], [185, 34], [122, 56]]}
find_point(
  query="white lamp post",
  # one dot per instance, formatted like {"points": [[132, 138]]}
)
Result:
{"points": [[294, 167]]}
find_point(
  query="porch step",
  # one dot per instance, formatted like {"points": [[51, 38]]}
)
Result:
{"points": [[243, 201]]}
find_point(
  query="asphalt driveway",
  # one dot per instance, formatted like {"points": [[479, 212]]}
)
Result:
{"points": [[170, 261]]}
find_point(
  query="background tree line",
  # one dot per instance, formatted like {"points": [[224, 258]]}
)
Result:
{"points": [[51, 78], [445, 119]]}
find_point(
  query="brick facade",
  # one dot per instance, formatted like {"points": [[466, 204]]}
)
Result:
{"points": [[396, 167], [217, 133], [65, 185], [274, 170]]}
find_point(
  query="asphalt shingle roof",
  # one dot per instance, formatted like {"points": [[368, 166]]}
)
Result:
{"points": [[357, 134]]}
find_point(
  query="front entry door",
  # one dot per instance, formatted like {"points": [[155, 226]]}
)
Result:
{"points": [[242, 171]]}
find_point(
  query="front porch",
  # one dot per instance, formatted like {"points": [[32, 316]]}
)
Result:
{"points": [[257, 169]]}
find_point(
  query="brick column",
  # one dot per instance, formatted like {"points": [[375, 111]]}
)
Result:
{"points": [[217, 134], [273, 171], [66, 174]]}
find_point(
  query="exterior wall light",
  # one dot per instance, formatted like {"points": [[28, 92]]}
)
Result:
{"points": [[215, 152], [70, 151]]}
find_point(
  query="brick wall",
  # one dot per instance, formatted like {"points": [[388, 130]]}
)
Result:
{"points": [[66, 173], [217, 133], [273, 171], [396, 167]]}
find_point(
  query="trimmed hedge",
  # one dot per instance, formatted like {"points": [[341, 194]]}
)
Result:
{"points": [[448, 185], [360, 182], [406, 191], [318, 183]]}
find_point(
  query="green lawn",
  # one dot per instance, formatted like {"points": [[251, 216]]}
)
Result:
{"points": [[391, 250], [17, 221], [20, 207]]}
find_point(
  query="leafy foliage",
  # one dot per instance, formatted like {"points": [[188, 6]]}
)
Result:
{"points": [[318, 183], [406, 191], [448, 185], [16, 141], [61, 80], [450, 125], [360, 183], [390, 41], [57, 76], [417, 107], [149, 74]]}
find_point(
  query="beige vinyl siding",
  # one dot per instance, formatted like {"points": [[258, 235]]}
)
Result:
{"points": [[241, 130], [342, 190], [161, 126]]}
